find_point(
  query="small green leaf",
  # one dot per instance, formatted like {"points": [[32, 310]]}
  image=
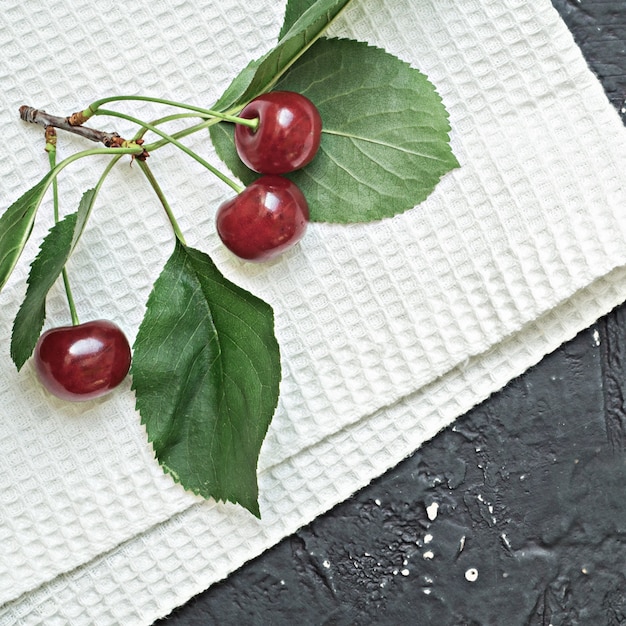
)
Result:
{"points": [[82, 215], [206, 372], [260, 75], [16, 225], [53, 254], [385, 142]]}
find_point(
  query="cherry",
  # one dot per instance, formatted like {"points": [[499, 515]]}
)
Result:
{"points": [[84, 361], [287, 136], [269, 216]]}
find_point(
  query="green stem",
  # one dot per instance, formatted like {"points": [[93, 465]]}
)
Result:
{"points": [[151, 147], [132, 150], [168, 210], [52, 160], [169, 138], [55, 170], [94, 107], [52, 153], [39, 191], [70, 298], [96, 190], [168, 118]]}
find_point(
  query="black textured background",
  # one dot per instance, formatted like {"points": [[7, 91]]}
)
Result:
{"points": [[531, 487]]}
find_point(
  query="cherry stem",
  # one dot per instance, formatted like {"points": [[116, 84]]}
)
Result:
{"points": [[169, 138], [133, 150], [151, 147], [93, 108], [51, 149], [70, 298], [168, 210]]}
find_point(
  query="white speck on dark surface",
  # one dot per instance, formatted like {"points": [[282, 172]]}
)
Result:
{"points": [[432, 510], [596, 332], [471, 575]]}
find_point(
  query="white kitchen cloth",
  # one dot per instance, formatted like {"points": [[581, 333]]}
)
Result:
{"points": [[388, 331]]}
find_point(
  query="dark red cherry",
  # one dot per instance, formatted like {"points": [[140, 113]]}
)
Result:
{"points": [[269, 216], [84, 361], [287, 136]]}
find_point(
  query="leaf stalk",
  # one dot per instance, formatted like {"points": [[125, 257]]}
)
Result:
{"points": [[159, 192]]}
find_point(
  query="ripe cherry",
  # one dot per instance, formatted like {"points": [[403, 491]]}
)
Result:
{"points": [[84, 361], [269, 216], [287, 136]]}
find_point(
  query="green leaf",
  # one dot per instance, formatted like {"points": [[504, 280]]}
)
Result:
{"points": [[293, 12], [53, 254], [260, 75], [206, 371], [16, 225], [385, 142], [82, 215]]}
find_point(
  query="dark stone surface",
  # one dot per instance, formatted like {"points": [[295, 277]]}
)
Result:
{"points": [[530, 488]]}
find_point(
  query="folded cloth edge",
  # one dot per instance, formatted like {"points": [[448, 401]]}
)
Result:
{"points": [[130, 571]]}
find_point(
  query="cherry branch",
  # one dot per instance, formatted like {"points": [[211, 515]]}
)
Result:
{"points": [[110, 140]]}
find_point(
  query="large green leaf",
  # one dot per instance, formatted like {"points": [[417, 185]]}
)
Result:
{"points": [[206, 371], [260, 75], [53, 254], [293, 11], [385, 142], [16, 224]]}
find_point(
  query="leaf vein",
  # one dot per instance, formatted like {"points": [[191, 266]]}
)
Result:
{"points": [[384, 144]]}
